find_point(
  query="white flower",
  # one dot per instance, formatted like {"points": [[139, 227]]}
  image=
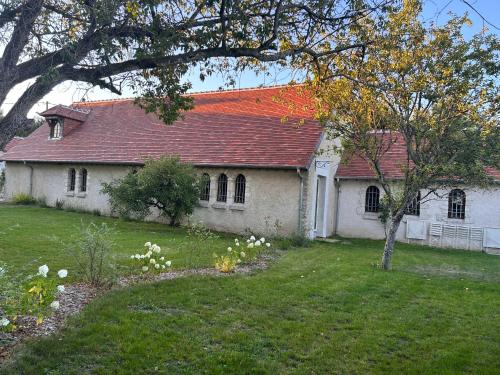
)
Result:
{"points": [[268, 244], [162, 258], [237, 244], [168, 263], [132, 257], [54, 305], [257, 243], [243, 254], [4, 322], [156, 248], [60, 288], [62, 273], [147, 244], [152, 261], [43, 270], [142, 257], [250, 245], [229, 249], [248, 241], [236, 240], [252, 238], [137, 256], [157, 266], [262, 240], [162, 266], [238, 261], [148, 254], [145, 268]]}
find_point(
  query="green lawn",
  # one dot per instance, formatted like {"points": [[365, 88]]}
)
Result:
{"points": [[319, 310], [31, 236]]}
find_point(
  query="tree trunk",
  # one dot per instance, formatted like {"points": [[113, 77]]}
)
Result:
{"points": [[389, 242]]}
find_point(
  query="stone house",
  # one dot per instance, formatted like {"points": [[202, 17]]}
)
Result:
{"points": [[261, 151]]}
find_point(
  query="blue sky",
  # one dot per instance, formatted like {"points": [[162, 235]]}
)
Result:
{"points": [[436, 10]]}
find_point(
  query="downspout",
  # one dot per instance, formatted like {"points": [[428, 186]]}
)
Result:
{"points": [[337, 196], [301, 199]]}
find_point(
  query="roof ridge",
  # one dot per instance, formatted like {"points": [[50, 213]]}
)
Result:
{"points": [[258, 88]]}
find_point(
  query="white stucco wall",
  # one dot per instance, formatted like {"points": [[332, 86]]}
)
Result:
{"points": [[271, 204], [482, 210]]}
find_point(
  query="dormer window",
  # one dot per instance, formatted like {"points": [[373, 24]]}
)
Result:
{"points": [[56, 129]]}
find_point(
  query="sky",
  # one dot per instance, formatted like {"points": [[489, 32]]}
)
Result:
{"points": [[437, 10]]}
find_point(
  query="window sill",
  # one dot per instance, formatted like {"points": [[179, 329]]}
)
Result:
{"points": [[81, 195], [237, 207], [219, 205], [70, 194], [203, 204], [371, 216]]}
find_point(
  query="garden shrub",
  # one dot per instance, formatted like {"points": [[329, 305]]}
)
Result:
{"points": [[151, 261], [59, 204], [165, 184], [254, 247], [92, 253], [23, 199]]}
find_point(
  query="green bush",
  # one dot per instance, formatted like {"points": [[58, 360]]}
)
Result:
{"points": [[92, 253], [295, 240], [165, 184], [24, 199], [59, 204]]}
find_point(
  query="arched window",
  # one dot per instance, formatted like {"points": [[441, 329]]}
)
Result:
{"points": [[414, 207], [456, 204], [55, 128], [372, 199], [205, 187], [222, 188], [83, 179], [239, 189], [71, 179]]}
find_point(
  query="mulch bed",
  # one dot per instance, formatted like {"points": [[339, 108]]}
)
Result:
{"points": [[77, 296]]}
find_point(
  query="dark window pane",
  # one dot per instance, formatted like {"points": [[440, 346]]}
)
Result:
{"points": [[239, 189], [83, 180], [222, 188], [71, 179], [205, 187], [372, 199], [456, 204], [414, 207]]}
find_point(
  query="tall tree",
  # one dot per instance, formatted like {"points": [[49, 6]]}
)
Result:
{"points": [[151, 44], [424, 85]]}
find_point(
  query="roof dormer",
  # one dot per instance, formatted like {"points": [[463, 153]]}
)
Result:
{"points": [[62, 120]]}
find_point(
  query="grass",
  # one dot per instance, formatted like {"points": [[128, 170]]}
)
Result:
{"points": [[321, 309], [31, 236]]}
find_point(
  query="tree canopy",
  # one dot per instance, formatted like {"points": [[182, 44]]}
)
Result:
{"points": [[423, 83], [149, 45]]}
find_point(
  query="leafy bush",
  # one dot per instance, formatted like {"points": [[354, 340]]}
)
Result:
{"points": [[42, 202], [165, 184], [295, 240], [23, 199], [34, 295], [92, 252], [150, 261], [96, 212]]}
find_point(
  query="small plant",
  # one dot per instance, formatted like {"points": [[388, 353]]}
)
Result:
{"points": [[23, 199], [96, 212], [151, 261], [92, 252], [227, 262], [42, 202], [198, 234], [59, 204]]}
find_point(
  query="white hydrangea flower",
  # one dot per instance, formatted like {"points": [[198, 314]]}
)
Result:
{"points": [[137, 256], [152, 261], [262, 240], [157, 266], [257, 243], [252, 238], [268, 244], [229, 249], [142, 256], [237, 244], [236, 240], [162, 259], [62, 273], [145, 268], [43, 270], [156, 248], [250, 245], [248, 241], [4, 322], [132, 257], [162, 266], [54, 305], [243, 254], [168, 263], [61, 288], [147, 244]]}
